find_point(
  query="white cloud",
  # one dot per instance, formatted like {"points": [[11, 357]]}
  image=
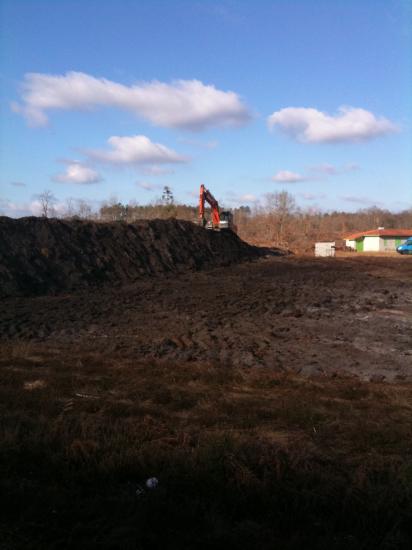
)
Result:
{"points": [[313, 126], [248, 197], [239, 199], [135, 150], [32, 208], [313, 173], [187, 104], [76, 172], [18, 209], [285, 176]]}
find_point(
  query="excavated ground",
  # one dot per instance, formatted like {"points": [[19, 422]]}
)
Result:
{"points": [[331, 317], [255, 392], [44, 256]]}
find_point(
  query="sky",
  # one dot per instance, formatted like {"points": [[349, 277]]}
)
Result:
{"points": [[116, 99]]}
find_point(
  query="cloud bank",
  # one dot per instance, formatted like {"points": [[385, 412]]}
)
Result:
{"points": [[312, 126], [186, 104], [135, 150]]}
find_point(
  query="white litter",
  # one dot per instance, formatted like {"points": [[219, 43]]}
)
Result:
{"points": [[152, 483]]}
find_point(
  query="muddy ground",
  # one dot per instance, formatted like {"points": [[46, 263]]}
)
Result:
{"points": [[271, 399], [317, 317]]}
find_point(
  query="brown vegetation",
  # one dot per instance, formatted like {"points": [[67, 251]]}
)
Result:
{"points": [[277, 222], [246, 458]]}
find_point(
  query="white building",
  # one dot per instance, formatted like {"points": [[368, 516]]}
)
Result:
{"points": [[325, 248], [377, 240]]}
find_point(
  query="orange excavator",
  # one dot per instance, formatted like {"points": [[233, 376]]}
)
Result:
{"points": [[220, 220]]}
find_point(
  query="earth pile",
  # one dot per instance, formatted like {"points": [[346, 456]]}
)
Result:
{"points": [[41, 256]]}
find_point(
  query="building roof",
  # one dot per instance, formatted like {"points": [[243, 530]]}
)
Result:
{"points": [[380, 233]]}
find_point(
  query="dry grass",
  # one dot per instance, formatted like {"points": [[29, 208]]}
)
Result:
{"points": [[245, 458]]}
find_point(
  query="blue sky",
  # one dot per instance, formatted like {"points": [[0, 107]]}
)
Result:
{"points": [[119, 98]]}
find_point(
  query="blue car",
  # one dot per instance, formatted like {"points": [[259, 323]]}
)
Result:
{"points": [[406, 247]]}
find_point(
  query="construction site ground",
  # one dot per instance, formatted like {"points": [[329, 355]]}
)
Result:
{"points": [[317, 317], [272, 399]]}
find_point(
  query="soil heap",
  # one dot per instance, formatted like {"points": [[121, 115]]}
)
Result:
{"points": [[41, 256]]}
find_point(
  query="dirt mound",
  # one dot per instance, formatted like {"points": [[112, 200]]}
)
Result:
{"points": [[39, 256]]}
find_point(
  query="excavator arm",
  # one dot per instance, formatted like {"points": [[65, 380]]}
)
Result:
{"points": [[206, 196]]}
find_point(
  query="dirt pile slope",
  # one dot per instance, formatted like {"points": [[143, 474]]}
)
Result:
{"points": [[39, 256]]}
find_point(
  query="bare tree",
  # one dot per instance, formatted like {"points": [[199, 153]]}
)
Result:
{"points": [[281, 202], [280, 206], [84, 210], [70, 209], [47, 201]]}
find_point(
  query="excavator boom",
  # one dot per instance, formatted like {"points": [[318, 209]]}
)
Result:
{"points": [[206, 196]]}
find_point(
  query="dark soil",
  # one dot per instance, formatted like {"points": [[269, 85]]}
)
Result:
{"points": [[43, 256], [342, 317]]}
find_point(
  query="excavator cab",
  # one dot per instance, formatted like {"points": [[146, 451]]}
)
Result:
{"points": [[226, 220]]}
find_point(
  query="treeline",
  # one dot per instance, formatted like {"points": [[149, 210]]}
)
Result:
{"points": [[277, 221], [281, 223]]}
